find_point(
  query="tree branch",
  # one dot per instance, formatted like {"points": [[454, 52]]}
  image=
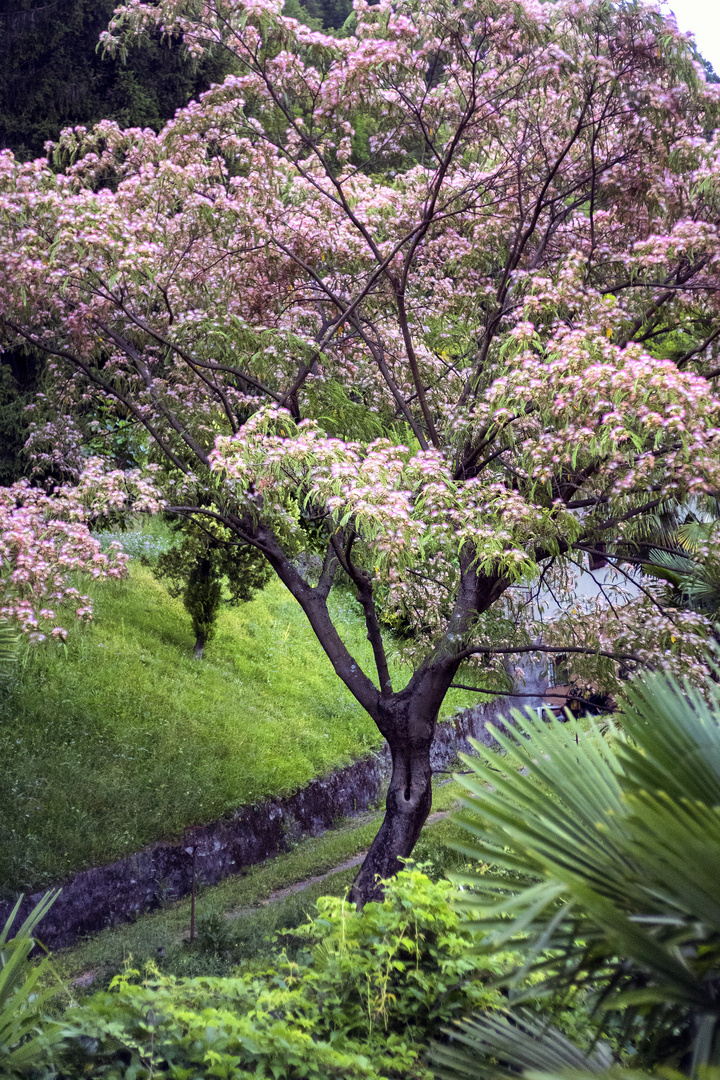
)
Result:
{"points": [[361, 580], [491, 650]]}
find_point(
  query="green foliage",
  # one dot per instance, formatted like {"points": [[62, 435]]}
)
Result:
{"points": [[399, 968], [327, 14], [201, 596], [201, 1028], [293, 9], [25, 1036], [52, 74], [207, 558], [360, 999], [611, 852], [521, 1044], [14, 398]]}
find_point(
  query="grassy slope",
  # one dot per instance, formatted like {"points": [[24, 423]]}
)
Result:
{"points": [[122, 738]]}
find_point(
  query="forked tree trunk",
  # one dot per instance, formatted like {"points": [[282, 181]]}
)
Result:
{"points": [[407, 718], [409, 799]]}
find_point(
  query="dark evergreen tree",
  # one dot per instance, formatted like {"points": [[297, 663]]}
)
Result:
{"points": [[330, 14], [53, 75], [197, 569], [19, 378]]}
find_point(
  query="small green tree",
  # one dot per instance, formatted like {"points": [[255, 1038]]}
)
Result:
{"points": [[197, 568]]}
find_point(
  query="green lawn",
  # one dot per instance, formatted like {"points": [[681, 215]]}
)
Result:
{"points": [[121, 738]]}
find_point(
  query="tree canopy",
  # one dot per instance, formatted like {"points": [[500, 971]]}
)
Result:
{"points": [[437, 300]]}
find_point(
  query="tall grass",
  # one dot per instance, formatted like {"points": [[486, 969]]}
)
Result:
{"points": [[120, 738]]}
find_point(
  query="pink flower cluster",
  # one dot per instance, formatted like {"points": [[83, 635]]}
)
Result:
{"points": [[46, 546], [474, 324]]}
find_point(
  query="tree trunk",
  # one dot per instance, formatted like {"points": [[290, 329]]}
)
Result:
{"points": [[407, 718], [409, 799], [199, 646]]}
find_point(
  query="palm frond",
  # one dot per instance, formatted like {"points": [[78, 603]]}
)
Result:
{"points": [[609, 850], [506, 1044], [23, 995], [675, 564], [693, 534], [9, 645]]}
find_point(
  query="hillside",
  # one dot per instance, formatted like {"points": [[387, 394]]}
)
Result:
{"points": [[121, 738]]}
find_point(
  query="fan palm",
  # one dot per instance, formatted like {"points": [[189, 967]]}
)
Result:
{"points": [[605, 849], [24, 1036], [690, 566]]}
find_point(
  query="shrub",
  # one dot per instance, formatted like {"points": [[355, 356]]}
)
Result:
{"points": [[361, 997], [400, 967]]}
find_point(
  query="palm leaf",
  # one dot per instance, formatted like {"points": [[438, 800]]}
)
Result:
{"points": [[508, 1043], [610, 846], [9, 644], [24, 1034]]}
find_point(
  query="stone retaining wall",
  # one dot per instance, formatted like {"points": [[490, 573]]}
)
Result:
{"points": [[105, 896]]}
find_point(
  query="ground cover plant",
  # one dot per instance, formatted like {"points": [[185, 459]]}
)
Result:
{"points": [[236, 920], [120, 738], [359, 997], [436, 299]]}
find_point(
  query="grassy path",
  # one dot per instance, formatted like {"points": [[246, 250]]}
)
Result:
{"points": [[309, 883], [244, 911]]}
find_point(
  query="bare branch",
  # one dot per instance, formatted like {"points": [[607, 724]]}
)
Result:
{"points": [[491, 650]]}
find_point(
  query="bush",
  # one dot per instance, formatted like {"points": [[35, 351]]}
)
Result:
{"points": [[398, 968], [361, 997]]}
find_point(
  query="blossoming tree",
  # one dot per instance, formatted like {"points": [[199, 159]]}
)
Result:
{"points": [[46, 546], [439, 300]]}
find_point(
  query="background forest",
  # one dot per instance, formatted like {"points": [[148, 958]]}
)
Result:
{"points": [[53, 75]]}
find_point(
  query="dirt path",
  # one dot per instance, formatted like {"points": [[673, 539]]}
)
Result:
{"points": [[299, 886], [88, 977]]}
